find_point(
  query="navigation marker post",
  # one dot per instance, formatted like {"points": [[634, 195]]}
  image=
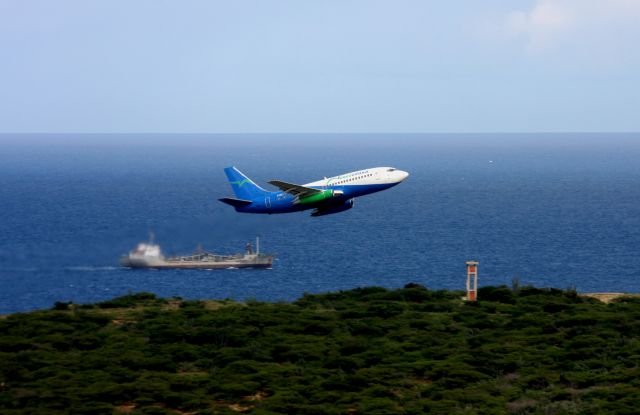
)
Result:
{"points": [[472, 272]]}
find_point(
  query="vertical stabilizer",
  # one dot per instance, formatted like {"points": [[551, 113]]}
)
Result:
{"points": [[243, 187]]}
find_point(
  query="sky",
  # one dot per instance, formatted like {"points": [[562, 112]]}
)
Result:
{"points": [[293, 66]]}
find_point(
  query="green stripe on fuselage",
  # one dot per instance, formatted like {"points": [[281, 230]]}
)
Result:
{"points": [[318, 197]]}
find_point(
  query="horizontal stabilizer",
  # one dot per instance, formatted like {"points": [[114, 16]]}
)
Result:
{"points": [[235, 202]]}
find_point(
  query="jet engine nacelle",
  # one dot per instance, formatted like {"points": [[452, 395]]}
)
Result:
{"points": [[348, 204]]}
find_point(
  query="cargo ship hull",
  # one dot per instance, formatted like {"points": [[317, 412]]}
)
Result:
{"points": [[177, 264]]}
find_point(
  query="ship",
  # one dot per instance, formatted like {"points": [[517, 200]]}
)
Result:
{"points": [[149, 255]]}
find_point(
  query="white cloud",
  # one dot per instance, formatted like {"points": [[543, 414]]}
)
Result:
{"points": [[545, 22], [558, 24]]}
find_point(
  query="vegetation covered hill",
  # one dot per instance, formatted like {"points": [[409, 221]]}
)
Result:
{"points": [[365, 351]]}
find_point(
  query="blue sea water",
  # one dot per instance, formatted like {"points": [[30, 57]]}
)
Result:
{"points": [[560, 210]]}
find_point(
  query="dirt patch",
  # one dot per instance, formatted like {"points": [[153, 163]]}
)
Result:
{"points": [[215, 305], [258, 396], [236, 407], [608, 297], [126, 408], [172, 305]]}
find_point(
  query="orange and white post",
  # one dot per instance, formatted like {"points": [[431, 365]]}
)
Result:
{"points": [[472, 287]]}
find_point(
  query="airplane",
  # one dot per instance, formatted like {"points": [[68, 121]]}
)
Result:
{"points": [[326, 196]]}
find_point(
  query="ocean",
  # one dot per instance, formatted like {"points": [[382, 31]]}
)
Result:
{"points": [[552, 210]]}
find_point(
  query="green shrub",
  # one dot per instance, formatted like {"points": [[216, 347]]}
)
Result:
{"points": [[129, 300], [500, 294], [58, 305]]}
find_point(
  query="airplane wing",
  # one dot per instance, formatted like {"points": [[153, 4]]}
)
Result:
{"points": [[295, 189], [235, 202]]}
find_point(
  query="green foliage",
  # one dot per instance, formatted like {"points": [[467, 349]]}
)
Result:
{"points": [[370, 350], [58, 305], [130, 300]]}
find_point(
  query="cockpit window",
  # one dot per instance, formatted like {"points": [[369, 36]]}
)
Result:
{"points": [[391, 169]]}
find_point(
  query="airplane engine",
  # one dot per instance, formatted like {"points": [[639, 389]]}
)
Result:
{"points": [[348, 204]]}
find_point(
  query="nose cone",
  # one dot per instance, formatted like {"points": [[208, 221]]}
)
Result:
{"points": [[402, 175]]}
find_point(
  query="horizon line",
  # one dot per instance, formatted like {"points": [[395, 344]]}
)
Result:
{"points": [[312, 133]]}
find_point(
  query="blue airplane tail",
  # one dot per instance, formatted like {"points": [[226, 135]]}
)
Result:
{"points": [[243, 187]]}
